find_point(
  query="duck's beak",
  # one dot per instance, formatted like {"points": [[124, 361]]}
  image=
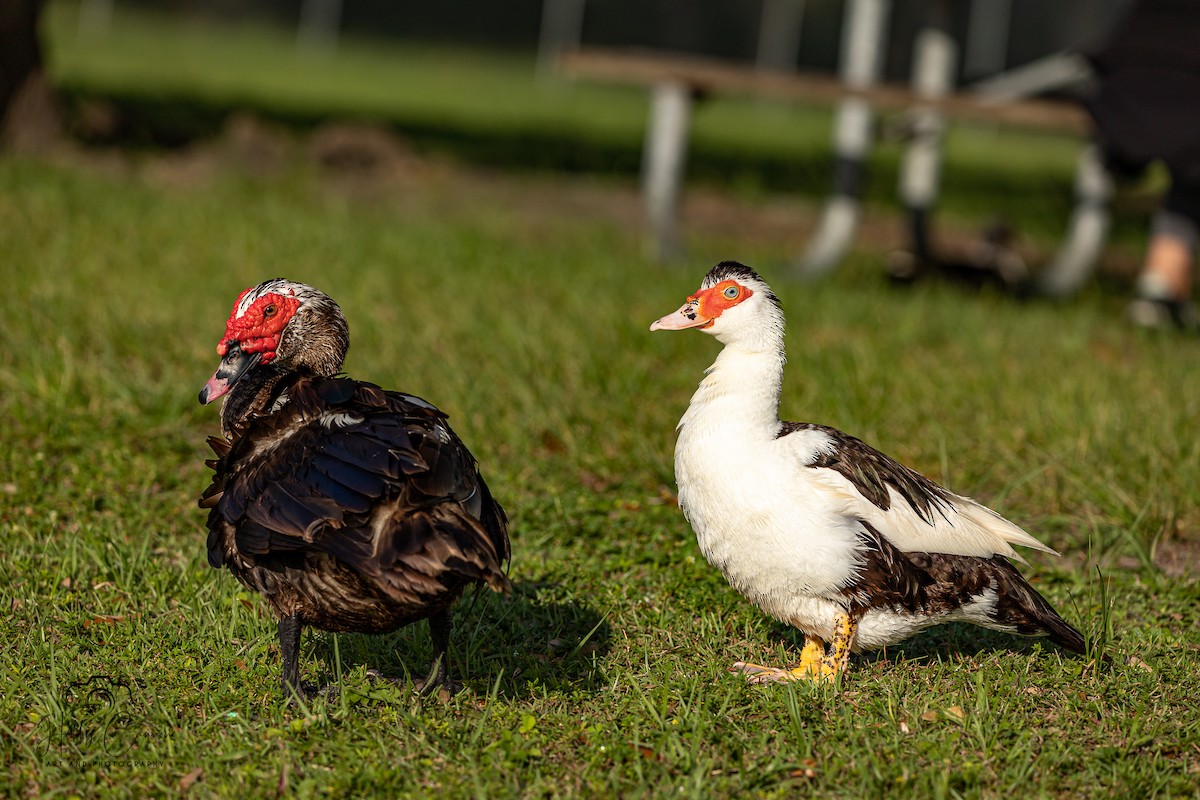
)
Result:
{"points": [[233, 366], [688, 316]]}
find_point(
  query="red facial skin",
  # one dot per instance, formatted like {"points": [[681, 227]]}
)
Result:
{"points": [[711, 303], [702, 309], [258, 330]]}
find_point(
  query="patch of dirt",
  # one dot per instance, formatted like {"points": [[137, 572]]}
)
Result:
{"points": [[352, 148], [1178, 558], [247, 146]]}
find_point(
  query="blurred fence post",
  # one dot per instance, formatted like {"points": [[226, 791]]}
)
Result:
{"points": [[30, 117], [934, 67], [664, 156], [95, 18], [986, 51], [779, 35], [1087, 230], [562, 29], [864, 42], [320, 21]]}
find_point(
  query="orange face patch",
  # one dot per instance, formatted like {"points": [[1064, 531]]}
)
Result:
{"points": [[714, 301], [258, 330]]}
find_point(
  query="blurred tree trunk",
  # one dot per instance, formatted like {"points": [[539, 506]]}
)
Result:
{"points": [[29, 114]]}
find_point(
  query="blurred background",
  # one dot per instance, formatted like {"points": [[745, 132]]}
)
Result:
{"points": [[484, 83]]}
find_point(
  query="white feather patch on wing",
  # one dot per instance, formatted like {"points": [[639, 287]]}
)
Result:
{"points": [[963, 528], [339, 419]]}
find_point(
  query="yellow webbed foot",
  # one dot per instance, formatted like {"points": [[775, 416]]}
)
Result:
{"points": [[816, 663], [811, 666]]}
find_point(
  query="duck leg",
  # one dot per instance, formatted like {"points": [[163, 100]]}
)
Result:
{"points": [[837, 659], [289, 648], [439, 632], [816, 663]]}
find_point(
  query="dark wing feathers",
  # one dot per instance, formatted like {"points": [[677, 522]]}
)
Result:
{"points": [[386, 446], [424, 548], [495, 521], [320, 472], [279, 509], [212, 495], [936, 583], [216, 547], [350, 475], [258, 540], [219, 445], [441, 479], [376, 479], [873, 473]]}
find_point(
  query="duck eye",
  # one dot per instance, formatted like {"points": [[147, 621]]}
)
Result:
{"points": [[270, 311], [731, 293]]}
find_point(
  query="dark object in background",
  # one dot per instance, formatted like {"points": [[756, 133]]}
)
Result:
{"points": [[29, 114], [1147, 105], [989, 259], [20, 51], [1146, 108]]}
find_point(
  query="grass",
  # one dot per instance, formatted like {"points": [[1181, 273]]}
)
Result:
{"points": [[132, 669]]}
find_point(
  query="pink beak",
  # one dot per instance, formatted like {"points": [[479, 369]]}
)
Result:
{"points": [[233, 366], [686, 317], [215, 388]]}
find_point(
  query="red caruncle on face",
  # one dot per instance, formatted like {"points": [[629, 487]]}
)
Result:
{"points": [[258, 330], [712, 302]]}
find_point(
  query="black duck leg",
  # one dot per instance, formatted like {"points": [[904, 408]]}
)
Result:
{"points": [[439, 632], [289, 647]]}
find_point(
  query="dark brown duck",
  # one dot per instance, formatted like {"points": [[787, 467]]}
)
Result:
{"points": [[349, 508]]}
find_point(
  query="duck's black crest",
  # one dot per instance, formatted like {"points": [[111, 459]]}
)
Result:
{"points": [[735, 271]]}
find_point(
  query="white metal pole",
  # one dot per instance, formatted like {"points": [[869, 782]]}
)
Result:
{"points": [[665, 156], [1087, 229], [561, 29], [779, 35], [934, 65], [320, 21], [863, 45]]}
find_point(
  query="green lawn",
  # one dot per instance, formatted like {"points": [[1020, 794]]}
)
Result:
{"points": [[129, 668]]}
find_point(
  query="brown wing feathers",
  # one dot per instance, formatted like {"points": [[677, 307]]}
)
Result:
{"points": [[375, 479]]}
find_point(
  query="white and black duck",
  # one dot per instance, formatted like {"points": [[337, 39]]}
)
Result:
{"points": [[818, 529]]}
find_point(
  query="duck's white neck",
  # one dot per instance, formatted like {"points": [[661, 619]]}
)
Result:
{"points": [[741, 389]]}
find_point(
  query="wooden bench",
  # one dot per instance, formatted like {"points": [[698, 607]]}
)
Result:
{"points": [[676, 81]]}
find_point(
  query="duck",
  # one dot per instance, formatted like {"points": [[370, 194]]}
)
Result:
{"points": [[349, 508], [820, 530]]}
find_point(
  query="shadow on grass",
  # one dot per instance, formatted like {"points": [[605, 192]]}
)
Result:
{"points": [[507, 643], [948, 643]]}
